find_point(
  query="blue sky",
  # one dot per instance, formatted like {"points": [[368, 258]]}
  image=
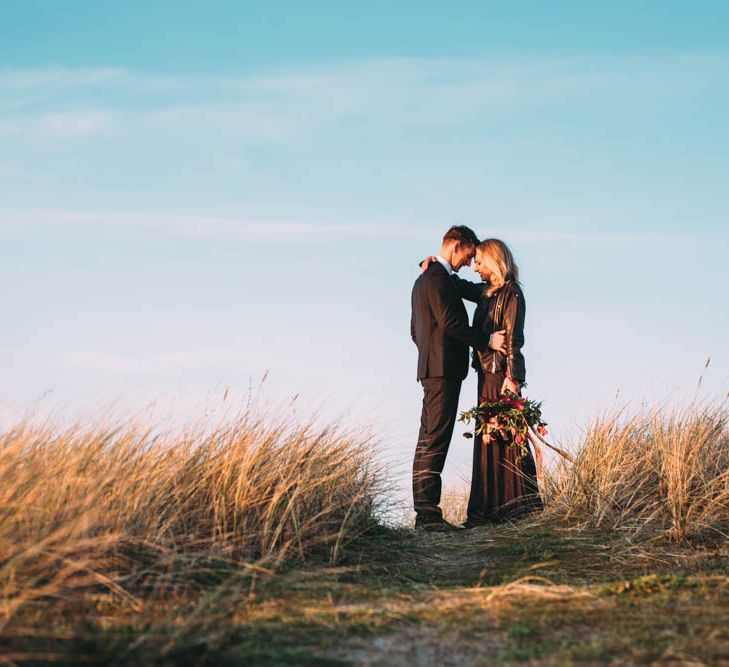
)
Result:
{"points": [[195, 194]]}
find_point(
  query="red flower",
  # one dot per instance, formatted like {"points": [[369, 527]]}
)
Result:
{"points": [[509, 417]]}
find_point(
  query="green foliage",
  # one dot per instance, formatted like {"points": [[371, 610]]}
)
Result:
{"points": [[508, 420]]}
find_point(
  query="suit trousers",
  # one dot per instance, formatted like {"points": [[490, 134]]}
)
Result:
{"points": [[437, 420]]}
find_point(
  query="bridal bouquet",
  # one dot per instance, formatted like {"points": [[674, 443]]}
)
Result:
{"points": [[511, 417]]}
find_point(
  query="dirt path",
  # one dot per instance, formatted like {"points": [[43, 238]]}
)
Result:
{"points": [[530, 595]]}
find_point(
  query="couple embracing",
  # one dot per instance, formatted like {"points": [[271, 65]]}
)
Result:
{"points": [[503, 485]]}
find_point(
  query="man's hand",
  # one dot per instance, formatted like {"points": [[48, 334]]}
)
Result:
{"points": [[510, 385], [497, 341], [426, 263]]}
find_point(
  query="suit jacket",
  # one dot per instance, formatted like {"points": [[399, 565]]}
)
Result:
{"points": [[439, 326]]}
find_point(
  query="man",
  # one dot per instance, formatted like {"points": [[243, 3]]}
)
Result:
{"points": [[439, 327]]}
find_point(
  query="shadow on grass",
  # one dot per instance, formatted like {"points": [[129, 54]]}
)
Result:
{"points": [[536, 593]]}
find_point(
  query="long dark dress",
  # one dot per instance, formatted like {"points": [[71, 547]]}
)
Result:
{"points": [[501, 487]]}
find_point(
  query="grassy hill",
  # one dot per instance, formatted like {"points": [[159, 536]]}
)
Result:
{"points": [[264, 544]]}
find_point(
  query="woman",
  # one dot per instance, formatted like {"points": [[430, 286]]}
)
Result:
{"points": [[502, 488]]}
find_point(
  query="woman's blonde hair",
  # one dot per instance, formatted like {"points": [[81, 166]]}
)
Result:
{"points": [[498, 259]]}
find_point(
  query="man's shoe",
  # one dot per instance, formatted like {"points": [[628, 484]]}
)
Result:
{"points": [[436, 526]]}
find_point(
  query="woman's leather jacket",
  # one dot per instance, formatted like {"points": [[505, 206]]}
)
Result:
{"points": [[505, 309]]}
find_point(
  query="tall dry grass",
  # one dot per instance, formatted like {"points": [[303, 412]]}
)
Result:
{"points": [[454, 503], [658, 474], [663, 473], [121, 507]]}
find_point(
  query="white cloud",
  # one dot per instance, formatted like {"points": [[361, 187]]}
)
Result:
{"points": [[59, 77], [128, 364], [75, 124], [208, 227], [242, 229], [291, 104], [117, 362], [548, 236]]}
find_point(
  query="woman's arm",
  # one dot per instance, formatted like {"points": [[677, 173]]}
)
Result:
{"points": [[468, 290], [465, 288], [513, 319], [445, 306]]}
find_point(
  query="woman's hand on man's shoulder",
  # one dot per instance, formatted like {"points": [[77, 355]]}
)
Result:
{"points": [[426, 263]]}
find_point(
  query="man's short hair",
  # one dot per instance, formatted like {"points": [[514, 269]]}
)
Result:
{"points": [[464, 235]]}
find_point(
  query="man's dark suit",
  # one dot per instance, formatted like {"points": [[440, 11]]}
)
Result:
{"points": [[439, 327]]}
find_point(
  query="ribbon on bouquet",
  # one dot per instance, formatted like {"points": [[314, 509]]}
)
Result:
{"points": [[534, 437], [537, 454]]}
